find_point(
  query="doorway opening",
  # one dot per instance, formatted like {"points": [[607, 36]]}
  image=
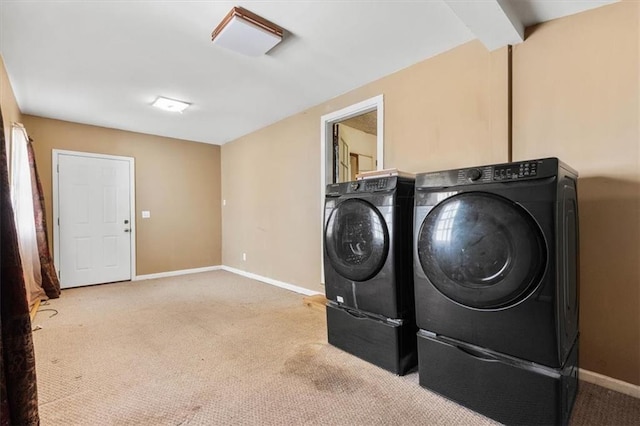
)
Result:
{"points": [[364, 120], [355, 140]]}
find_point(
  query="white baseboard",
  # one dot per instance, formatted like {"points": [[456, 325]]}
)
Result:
{"points": [[176, 273], [256, 277], [271, 281], [609, 383]]}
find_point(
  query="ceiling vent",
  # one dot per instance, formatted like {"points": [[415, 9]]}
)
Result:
{"points": [[247, 33]]}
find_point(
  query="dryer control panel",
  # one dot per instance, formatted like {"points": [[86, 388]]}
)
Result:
{"points": [[507, 172], [515, 171]]}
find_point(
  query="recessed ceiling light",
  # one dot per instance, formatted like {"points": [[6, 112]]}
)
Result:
{"points": [[171, 105], [246, 33]]}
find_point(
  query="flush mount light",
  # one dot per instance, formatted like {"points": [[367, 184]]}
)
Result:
{"points": [[170, 104], [247, 33]]}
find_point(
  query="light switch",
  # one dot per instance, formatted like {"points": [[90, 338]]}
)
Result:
{"points": [[146, 214]]}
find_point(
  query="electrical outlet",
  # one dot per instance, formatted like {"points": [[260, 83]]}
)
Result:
{"points": [[244, 256]]}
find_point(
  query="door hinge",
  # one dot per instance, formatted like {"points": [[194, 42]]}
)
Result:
{"points": [[58, 221], [57, 168]]}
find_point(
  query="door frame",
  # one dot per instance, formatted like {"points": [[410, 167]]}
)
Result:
{"points": [[132, 200], [326, 152]]}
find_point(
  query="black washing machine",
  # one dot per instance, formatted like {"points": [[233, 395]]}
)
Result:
{"points": [[496, 258], [368, 270], [367, 244]]}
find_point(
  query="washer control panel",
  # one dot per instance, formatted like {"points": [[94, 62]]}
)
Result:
{"points": [[361, 186], [375, 184], [370, 185]]}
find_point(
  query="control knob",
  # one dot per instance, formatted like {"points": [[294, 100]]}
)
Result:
{"points": [[355, 185], [474, 174]]}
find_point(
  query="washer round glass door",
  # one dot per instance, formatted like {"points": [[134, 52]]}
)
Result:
{"points": [[356, 240], [481, 250]]}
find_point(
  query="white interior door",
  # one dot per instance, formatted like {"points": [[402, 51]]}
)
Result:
{"points": [[94, 243]]}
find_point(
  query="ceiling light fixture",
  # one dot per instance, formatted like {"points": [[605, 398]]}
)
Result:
{"points": [[171, 105], [247, 33]]}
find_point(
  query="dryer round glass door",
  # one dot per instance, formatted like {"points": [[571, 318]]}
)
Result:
{"points": [[356, 240], [481, 250]]}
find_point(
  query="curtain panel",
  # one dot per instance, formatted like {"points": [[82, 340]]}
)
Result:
{"points": [[50, 282], [18, 387], [22, 203]]}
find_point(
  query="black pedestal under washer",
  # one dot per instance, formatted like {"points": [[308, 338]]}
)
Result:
{"points": [[496, 257]]}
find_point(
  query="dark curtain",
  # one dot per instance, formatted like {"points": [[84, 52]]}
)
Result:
{"points": [[50, 282], [18, 389]]}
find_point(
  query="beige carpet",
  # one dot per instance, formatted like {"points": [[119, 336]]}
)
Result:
{"points": [[217, 348]]}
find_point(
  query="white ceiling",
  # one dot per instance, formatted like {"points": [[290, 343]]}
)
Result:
{"points": [[104, 62]]}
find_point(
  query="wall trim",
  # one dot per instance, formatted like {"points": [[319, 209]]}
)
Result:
{"points": [[271, 281], [256, 277], [176, 273], [610, 383]]}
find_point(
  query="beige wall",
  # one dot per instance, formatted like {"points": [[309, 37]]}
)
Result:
{"points": [[576, 97], [8, 104], [434, 111], [177, 181]]}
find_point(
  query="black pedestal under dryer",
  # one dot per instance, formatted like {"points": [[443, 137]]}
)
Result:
{"points": [[496, 258], [508, 389], [368, 270]]}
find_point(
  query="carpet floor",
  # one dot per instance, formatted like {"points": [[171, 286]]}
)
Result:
{"points": [[218, 348]]}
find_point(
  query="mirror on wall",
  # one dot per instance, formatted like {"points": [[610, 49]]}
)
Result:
{"points": [[354, 146]]}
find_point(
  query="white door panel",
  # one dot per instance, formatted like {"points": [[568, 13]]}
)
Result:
{"points": [[94, 212]]}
